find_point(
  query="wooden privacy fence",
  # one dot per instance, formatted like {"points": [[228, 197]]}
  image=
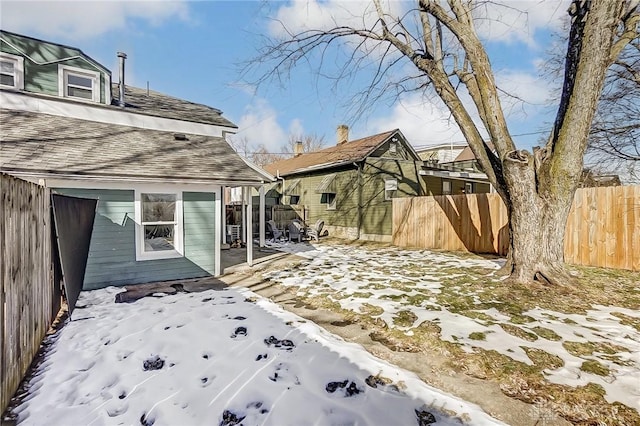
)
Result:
{"points": [[28, 300], [603, 228]]}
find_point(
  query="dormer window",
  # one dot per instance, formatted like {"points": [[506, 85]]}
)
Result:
{"points": [[11, 71], [77, 83]]}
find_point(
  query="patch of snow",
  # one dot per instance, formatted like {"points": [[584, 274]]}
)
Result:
{"points": [[198, 358], [392, 276]]}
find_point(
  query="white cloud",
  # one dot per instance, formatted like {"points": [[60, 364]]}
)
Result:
{"points": [[426, 121], [518, 20], [296, 128], [300, 15], [422, 121], [259, 125], [74, 20], [498, 20], [525, 93]]}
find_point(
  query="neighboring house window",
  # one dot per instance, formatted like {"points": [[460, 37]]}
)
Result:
{"points": [[328, 198], [446, 187], [158, 225], [294, 199], [390, 189], [11, 71], [468, 188], [77, 83]]}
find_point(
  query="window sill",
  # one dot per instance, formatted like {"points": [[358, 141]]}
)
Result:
{"points": [[169, 254]]}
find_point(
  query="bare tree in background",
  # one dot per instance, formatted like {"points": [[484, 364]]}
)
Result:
{"points": [[259, 155], [310, 143], [614, 139], [441, 44]]}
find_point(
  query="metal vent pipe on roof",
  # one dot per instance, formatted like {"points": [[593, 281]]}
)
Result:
{"points": [[121, 57]]}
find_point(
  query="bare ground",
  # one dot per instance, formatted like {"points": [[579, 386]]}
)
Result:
{"points": [[507, 391]]}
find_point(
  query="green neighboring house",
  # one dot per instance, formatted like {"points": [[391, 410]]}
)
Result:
{"points": [[156, 164], [453, 169], [350, 186]]}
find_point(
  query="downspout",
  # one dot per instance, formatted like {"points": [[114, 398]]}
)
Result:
{"points": [[282, 197], [359, 167], [282, 179]]}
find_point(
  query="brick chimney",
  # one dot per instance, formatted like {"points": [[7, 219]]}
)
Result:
{"points": [[298, 148], [343, 134]]}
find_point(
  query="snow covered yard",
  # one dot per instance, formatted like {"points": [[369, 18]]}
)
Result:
{"points": [[578, 351], [221, 357]]}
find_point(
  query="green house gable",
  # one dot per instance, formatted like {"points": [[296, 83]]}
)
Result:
{"points": [[54, 69]]}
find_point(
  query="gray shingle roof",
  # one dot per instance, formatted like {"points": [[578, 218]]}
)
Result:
{"points": [[40, 143], [160, 105]]}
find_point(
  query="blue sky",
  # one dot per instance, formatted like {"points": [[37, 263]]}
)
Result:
{"points": [[193, 50]]}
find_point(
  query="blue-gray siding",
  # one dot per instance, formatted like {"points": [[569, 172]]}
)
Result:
{"points": [[112, 256]]}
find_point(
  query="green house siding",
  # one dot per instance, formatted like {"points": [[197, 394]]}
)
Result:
{"points": [[40, 75], [112, 255], [376, 211], [346, 211]]}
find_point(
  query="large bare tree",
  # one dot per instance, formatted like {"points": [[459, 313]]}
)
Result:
{"points": [[439, 40]]}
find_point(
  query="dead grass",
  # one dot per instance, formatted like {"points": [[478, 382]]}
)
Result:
{"points": [[468, 290]]}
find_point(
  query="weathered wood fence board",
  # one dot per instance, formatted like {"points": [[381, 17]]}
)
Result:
{"points": [[603, 228], [27, 297]]}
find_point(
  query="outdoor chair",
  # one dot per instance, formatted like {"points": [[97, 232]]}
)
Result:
{"points": [[316, 230], [275, 232], [295, 232]]}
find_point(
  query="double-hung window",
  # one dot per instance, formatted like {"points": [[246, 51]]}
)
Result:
{"points": [[446, 187], [11, 71], [328, 198], [468, 188], [77, 83], [390, 189], [158, 225]]}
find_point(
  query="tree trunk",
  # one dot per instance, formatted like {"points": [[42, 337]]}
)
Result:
{"points": [[537, 224]]}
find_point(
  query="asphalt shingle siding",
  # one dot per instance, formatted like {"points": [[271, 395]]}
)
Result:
{"points": [[112, 255], [41, 143]]}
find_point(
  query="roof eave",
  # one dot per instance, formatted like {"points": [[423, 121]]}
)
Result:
{"points": [[106, 178]]}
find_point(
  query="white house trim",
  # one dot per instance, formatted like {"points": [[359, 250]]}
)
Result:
{"points": [[103, 114], [178, 237], [64, 71], [18, 70], [102, 182]]}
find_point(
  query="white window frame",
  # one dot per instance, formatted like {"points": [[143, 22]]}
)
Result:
{"points": [[390, 189], [64, 71], [468, 187], [18, 70], [331, 205], [178, 239], [448, 191]]}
